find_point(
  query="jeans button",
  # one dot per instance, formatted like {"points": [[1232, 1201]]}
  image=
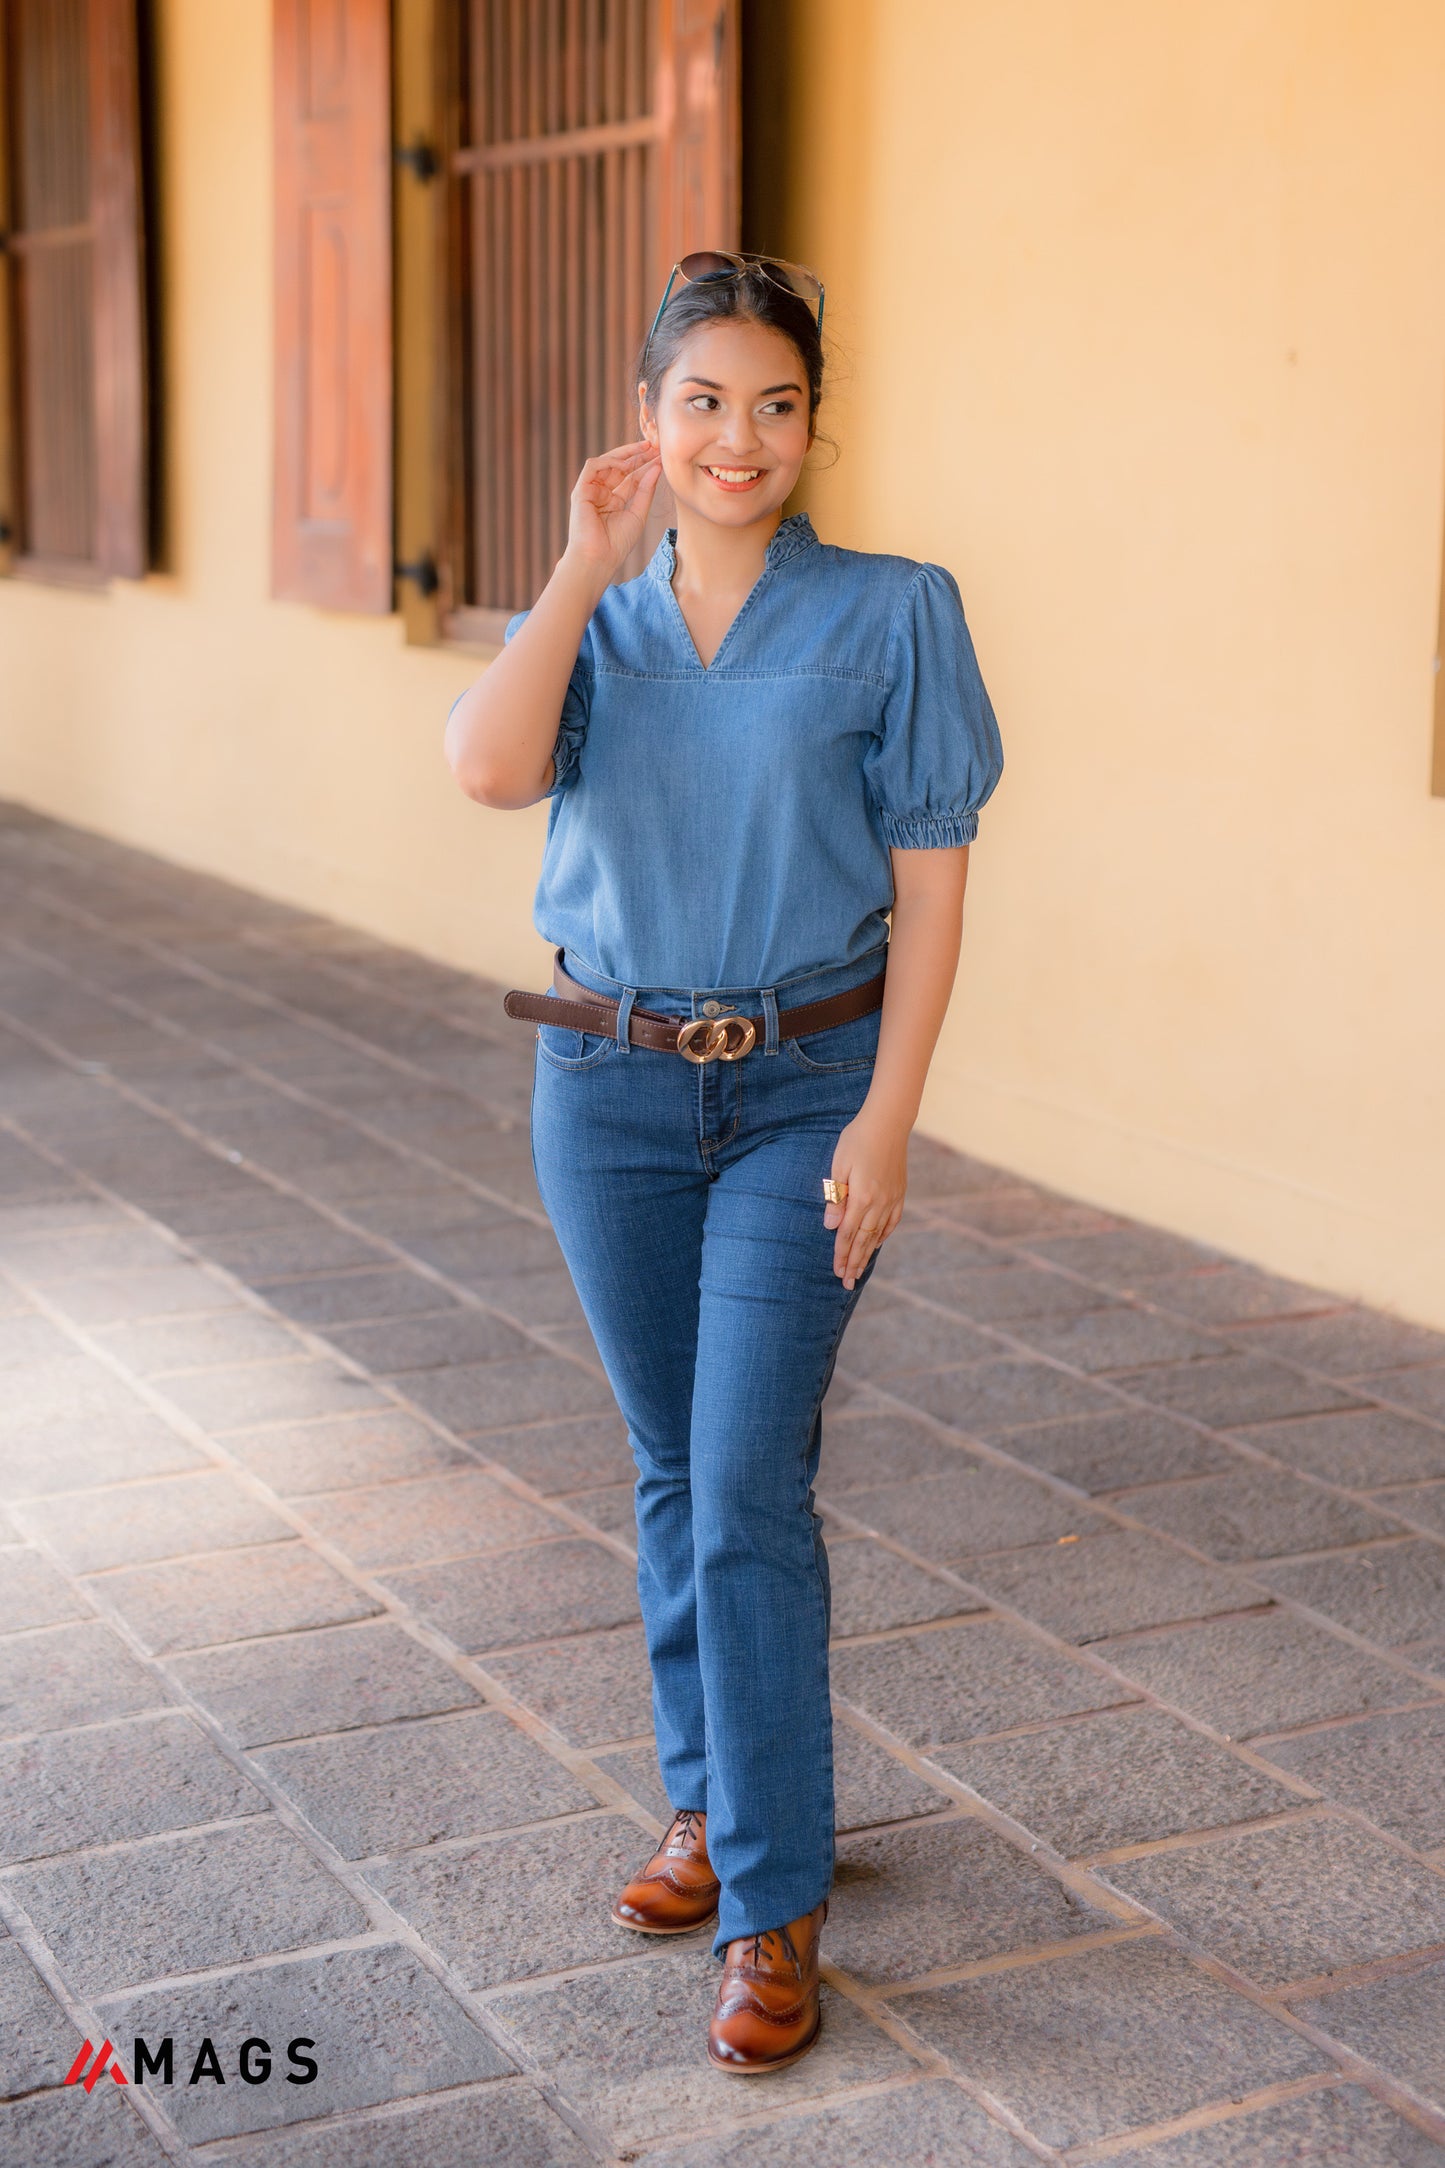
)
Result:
{"points": [[712, 1008]]}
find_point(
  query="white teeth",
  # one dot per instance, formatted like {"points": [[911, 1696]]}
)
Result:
{"points": [[735, 474]]}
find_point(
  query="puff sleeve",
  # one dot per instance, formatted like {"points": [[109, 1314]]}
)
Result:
{"points": [[576, 702], [936, 755]]}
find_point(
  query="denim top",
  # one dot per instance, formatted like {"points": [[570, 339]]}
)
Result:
{"points": [[730, 826]]}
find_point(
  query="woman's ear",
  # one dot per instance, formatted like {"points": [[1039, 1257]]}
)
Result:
{"points": [[645, 421]]}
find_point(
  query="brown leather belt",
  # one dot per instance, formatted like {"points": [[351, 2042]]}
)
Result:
{"points": [[724, 1036]]}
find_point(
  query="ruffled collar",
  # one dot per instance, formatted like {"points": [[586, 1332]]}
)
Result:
{"points": [[794, 535]]}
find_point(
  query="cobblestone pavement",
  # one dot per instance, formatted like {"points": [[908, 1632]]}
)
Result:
{"points": [[323, 1706]]}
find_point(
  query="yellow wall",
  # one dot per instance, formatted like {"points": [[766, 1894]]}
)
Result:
{"points": [[1143, 332]]}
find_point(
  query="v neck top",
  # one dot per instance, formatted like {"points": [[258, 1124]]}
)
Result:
{"points": [[729, 826]]}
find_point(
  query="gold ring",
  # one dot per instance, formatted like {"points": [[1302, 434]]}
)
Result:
{"points": [[834, 1192]]}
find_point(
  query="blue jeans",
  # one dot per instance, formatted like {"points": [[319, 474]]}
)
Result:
{"points": [[688, 1202]]}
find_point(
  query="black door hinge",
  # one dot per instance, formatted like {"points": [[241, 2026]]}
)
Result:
{"points": [[419, 158], [423, 570]]}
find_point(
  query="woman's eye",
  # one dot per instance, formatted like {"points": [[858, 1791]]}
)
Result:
{"points": [[703, 399], [778, 406]]}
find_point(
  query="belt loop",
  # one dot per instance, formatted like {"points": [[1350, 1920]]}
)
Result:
{"points": [[624, 1017], [770, 1012]]}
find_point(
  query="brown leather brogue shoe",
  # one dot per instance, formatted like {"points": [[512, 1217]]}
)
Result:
{"points": [[677, 1891], [767, 2004]]}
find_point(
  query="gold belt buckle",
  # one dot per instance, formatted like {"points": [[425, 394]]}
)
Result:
{"points": [[716, 1033]]}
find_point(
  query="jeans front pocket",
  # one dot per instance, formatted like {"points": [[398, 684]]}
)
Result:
{"points": [[846, 1046], [562, 1048]]}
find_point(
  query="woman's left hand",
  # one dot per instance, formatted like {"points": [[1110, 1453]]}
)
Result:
{"points": [[871, 1159]]}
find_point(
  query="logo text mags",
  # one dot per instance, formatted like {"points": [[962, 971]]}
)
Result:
{"points": [[253, 2063]]}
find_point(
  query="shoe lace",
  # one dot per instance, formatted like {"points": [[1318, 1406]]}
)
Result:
{"points": [[779, 1935], [684, 1827]]}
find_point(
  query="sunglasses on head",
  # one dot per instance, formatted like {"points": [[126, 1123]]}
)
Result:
{"points": [[705, 265]]}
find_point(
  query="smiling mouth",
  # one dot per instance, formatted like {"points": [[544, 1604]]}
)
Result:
{"points": [[735, 477]]}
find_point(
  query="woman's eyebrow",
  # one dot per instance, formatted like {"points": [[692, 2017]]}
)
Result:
{"points": [[708, 384]]}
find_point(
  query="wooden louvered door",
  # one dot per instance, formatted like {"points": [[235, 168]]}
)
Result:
{"points": [[73, 349], [594, 141]]}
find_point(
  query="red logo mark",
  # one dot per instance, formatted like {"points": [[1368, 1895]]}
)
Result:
{"points": [[102, 2062]]}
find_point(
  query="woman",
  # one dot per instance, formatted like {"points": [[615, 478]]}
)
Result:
{"points": [[754, 751]]}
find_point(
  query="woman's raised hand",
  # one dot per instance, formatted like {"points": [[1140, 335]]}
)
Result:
{"points": [[610, 504]]}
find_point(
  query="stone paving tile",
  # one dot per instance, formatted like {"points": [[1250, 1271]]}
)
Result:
{"points": [[999, 1294], [340, 1452], [1422, 1502], [500, 2125], [73, 1452], [1348, 1343], [71, 1675], [384, 2026], [472, 1398], [469, 1254], [584, 1454], [66, 2127], [863, 1449], [1230, 1294], [953, 1683], [1228, 1390], [873, 1590], [870, 1786], [594, 1690], [29, 1341], [887, 1341], [1107, 1584], [463, 1899], [1254, 1513], [1423, 1390], [627, 2046], [1262, 1673], [1398, 2022], [1292, 1902], [1342, 2127], [292, 1685], [237, 1396], [405, 1784], [1107, 2039], [397, 1346], [154, 1347], [1117, 1339], [434, 1517], [311, 1244], [1018, 1212], [1110, 1452], [532, 1298], [179, 1903], [989, 1398], [134, 1522], [112, 1782], [636, 1769], [534, 1594], [1120, 1258], [39, 2038], [1359, 1449], [921, 1251], [49, 1257], [976, 1507], [1390, 1768], [942, 1893], [933, 2124], [32, 1593], [1391, 1593], [1127, 1776], [105, 1298], [234, 1596], [323, 1299], [613, 1509]]}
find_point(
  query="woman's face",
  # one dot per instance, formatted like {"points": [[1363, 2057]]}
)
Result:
{"points": [[731, 421]]}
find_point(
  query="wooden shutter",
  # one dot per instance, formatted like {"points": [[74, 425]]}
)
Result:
{"points": [[331, 540], [595, 141], [74, 456]]}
